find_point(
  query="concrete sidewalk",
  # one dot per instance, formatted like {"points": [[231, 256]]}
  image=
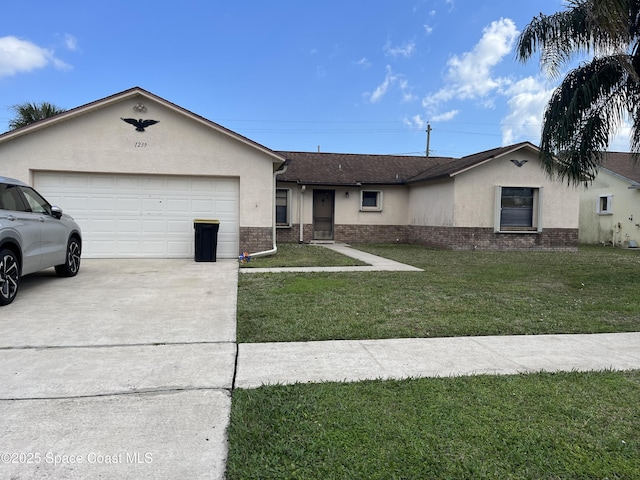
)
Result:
{"points": [[352, 361], [376, 263]]}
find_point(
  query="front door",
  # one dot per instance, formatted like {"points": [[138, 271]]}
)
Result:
{"points": [[323, 202]]}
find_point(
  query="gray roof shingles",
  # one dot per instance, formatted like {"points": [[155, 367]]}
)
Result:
{"points": [[356, 169], [623, 164]]}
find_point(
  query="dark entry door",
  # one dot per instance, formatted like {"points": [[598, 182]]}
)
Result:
{"points": [[323, 206]]}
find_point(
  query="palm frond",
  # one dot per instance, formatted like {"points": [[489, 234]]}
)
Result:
{"points": [[581, 116], [589, 27]]}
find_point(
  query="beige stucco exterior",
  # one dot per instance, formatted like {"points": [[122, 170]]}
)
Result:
{"points": [[468, 199], [95, 139], [432, 203], [476, 198], [619, 226]]}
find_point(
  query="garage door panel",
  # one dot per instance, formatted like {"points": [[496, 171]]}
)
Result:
{"points": [[178, 249], [143, 215], [128, 204], [179, 226], [128, 226], [178, 206], [154, 226], [100, 182], [101, 204]]}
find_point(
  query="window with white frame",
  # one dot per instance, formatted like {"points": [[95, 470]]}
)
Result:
{"points": [[283, 214], [604, 205], [371, 200], [518, 209]]}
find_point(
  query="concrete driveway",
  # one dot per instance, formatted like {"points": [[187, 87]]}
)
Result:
{"points": [[124, 371]]}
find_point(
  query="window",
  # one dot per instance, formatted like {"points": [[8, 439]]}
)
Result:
{"points": [[10, 198], [283, 216], [604, 205], [518, 209], [37, 204], [371, 200]]}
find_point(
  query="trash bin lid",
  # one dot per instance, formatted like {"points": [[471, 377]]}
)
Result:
{"points": [[203, 220]]}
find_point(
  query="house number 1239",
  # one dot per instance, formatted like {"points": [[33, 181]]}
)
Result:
{"points": [[140, 144]]}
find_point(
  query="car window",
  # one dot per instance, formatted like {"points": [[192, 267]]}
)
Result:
{"points": [[37, 204], [10, 198]]}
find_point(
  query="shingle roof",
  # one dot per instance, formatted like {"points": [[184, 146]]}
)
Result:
{"points": [[623, 164], [352, 169]]}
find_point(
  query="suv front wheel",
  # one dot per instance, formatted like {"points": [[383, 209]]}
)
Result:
{"points": [[71, 266], [9, 276]]}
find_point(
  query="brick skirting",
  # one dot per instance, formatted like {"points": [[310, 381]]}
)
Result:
{"points": [[255, 239], [467, 238], [450, 238]]}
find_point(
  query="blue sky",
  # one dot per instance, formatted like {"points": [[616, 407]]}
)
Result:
{"points": [[353, 76]]}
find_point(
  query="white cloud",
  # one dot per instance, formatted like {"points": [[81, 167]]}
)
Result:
{"points": [[415, 122], [621, 140], [404, 50], [446, 116], [428, 29], [470, 75], [18, 56], [527, 100], [363, 62], [392, 79], [71, 42], [380, 92]]}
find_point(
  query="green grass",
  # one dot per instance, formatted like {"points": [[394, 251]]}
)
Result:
{"points": [[593, 290], [537, 426], [301, 255]]}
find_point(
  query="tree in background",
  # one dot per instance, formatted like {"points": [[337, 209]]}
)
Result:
{"points": [[598, 96], [28, 113]]}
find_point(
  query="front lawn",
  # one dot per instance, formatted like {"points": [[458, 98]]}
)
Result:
{"points": [[536, 426], [464, 293]]}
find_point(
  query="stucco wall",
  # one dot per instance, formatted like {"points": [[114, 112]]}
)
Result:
{"points": [[99, 141], [475, 197], [609, 229], [432, 204]]}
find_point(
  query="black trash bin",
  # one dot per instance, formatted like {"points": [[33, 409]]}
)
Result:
{"points": [[206, 239]]}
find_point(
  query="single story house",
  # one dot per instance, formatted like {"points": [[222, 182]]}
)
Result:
{"points": [[499, 199], [136, 170], [610, 206]]}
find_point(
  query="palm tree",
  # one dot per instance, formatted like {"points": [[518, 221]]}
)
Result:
{"points": [[28, 113], [598, 96]]}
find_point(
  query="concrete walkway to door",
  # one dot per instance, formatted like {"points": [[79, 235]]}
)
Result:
{"points": [[375, 263]]}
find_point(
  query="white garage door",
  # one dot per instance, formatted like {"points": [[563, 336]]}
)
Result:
{"points": [[144, 215]]}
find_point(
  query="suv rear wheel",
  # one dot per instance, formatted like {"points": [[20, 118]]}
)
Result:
{"points": [[9, 276]]}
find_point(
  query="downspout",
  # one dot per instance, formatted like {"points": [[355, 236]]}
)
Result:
{"points": [[300, 214], [274, 249]]}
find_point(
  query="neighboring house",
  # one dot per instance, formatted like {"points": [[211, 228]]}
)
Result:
{"points": [[136, 170], [136, 189], [499, 199], [610, 206]]}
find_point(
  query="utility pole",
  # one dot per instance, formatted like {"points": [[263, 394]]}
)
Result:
{"points": [[428, 137]]}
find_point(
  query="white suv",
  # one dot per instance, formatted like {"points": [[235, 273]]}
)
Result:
{"points": [[33, 236]]}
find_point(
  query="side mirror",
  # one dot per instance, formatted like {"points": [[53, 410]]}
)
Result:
{"points": [[56, 212]]}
